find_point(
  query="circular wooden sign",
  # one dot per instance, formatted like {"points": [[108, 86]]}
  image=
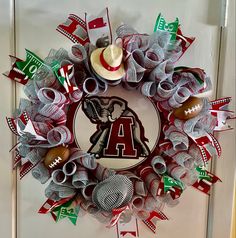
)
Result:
{"points": [[120, 127]]}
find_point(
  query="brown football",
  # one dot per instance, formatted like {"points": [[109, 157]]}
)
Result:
{"points": [[56, 157], [189, 109]]}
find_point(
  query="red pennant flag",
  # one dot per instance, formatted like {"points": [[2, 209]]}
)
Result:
{"points": [[12, 122], [127, 229], [26, 168], [16, 74], [17, 159], [154, 216], [124, 233], [202, 143], [185, 41], [220, 104], [116, 215], [220, 111], [50, 204]]}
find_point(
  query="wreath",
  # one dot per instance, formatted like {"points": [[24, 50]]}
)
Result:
{"points": [[76, 180]]}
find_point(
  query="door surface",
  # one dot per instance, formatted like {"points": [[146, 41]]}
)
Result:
{"points": [[31, 24]]}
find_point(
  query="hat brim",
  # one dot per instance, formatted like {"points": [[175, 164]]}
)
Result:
{"points": [[101, 71]]}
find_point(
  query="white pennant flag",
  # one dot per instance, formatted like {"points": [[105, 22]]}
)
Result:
{"points": [[99, 29]]}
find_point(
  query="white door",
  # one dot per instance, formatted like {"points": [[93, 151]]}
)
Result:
{"points": [[31, 24]]}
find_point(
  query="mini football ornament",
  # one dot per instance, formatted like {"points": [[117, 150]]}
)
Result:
{"points": [[56, 157], [190, 108]]}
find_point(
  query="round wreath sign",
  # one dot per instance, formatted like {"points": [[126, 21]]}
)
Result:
{"points": [[114, 126]]}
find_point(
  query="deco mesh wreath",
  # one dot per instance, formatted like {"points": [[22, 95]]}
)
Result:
{"points": [[77, 181]]}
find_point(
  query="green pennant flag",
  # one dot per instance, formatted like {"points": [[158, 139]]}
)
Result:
{"points": [[67, 210], [170, 182], [202, 173], [162, 25], [31, 64]]}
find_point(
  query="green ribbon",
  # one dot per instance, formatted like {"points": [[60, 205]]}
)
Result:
{"points": [[67, 210], [170, 183], [31, 64], [162, 25], [55, 66], [202, 173]]}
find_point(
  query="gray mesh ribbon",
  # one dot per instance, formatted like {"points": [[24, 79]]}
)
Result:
{"points": [[154, 54], [158, 164], [175, 90], [59, 177], [59, 191], [178, 138], [80, 178], [41, 173], [138, 184]]}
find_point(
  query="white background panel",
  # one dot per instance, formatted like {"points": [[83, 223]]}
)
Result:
{"points": [[221, 204], [36, 23], [6, 105]]}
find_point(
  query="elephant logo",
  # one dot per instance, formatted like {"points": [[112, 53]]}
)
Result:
{"points": [[120, 133]]}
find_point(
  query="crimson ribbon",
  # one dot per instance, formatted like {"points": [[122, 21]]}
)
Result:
{"points": [[106, 65]]}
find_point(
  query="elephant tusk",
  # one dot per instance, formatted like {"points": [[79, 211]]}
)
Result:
{"points": [[110, 119]]}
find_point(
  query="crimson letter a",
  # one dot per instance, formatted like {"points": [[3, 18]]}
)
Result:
{"points": [[120, 140]]}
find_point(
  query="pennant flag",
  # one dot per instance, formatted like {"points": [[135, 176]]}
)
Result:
{"points": [[170, 183], [67, 210], [50, 204], [12, 122], [162, 25], [17, 159], [186, 42], [75, 29], [26, 168], [221, 103], [14, 73], [99, 29], [129, 229], [151, 221], [116, 213], [30, 65], [205, 143], [30, 129], [220, 111], [64, 74], [202, 173], [205, 180]]}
